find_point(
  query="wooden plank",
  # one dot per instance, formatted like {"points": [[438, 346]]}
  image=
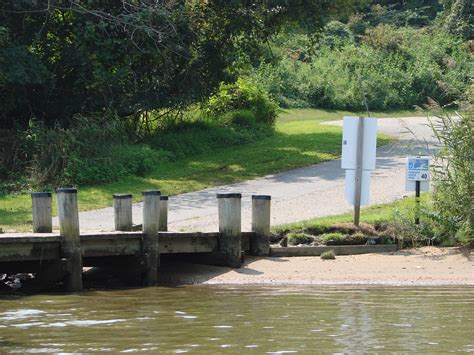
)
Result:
{"points": [[30, 247], [26, 250], [338, 250], [171, 243]]}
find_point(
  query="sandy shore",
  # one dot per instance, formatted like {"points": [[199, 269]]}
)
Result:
{"points": [[421, 266]]}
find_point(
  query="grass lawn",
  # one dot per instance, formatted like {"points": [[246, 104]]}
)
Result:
{"points": [[371, 215], [299, 141]]}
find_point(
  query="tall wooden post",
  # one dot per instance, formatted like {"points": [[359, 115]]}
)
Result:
{"points": [[260, 243], [123, 212], [42, 212], [163, 214], [71, 240], [150, 247], [229, 207]]}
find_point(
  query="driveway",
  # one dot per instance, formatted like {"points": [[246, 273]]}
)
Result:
{"points": [[298, 194]]}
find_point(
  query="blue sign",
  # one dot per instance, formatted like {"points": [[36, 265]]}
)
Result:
{"points": [[418, 169]]}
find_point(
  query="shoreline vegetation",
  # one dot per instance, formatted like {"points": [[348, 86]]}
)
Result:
{"points": [[298, 140], [216, 95]]}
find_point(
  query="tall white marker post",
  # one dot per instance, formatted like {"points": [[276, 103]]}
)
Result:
{"points": [[359, 146]]}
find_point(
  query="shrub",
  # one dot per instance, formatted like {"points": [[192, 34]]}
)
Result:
{"points": [[328, 255], [453, 176], [243, 95], [92, 150], [298, 238], [399, 68]]}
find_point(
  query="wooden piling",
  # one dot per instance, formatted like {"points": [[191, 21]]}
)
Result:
{"points": [[260, 243], [151, 222], [123, 212], [42, 212], [163, 214], [229, 207], [70, 241]]}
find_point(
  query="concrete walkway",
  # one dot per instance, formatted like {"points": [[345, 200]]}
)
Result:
{"points": [[298, 194]]}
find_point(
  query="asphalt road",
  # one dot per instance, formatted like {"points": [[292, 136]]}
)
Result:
{"points": [[298, 194]]}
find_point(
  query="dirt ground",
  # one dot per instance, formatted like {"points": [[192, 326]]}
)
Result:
{"points": [[421, 266]]}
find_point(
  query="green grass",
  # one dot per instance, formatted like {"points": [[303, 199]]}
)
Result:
{"points": [[329, 115], [299, 140], [328, 255], [371, 215]]}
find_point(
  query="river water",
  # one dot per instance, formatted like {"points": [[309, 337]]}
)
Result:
{"points": [[242, 319]]}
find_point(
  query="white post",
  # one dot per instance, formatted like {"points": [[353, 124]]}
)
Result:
{"points": [[42, 212], [260, 244], [123, 212], [71, 240], [163, 214], [229, 207], [150, 247]]}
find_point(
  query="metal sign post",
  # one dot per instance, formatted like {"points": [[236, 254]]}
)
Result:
{"points": [[358, 176], [417, 178], [359, 144]]}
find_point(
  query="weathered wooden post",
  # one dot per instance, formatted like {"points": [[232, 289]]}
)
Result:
{"points": [[163, 214], [42, 212], [123, 212], [260, 243], [229, 207], [71, 240], [151, 222]]}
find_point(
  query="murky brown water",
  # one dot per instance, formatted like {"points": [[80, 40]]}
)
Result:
{"points": [[207, 320]]}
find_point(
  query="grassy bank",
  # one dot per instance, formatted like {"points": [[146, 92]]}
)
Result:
{"points": [[373, 215], [384, 223], [299, 140]]}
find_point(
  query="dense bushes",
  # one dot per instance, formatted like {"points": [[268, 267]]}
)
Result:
{"points": [[103, 148], [92, 150], [399, 68], [242, 95], [453, 175]]}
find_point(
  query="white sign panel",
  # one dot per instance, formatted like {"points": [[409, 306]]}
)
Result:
{"points": [[350, 187], [410, 185], [418, 168], [349, 143]]}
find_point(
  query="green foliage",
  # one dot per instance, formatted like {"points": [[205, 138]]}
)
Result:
{"points": [[399, 68], [92, 150], [243, 95], [192, 138], [457, 18], [295, 238], [336, 34], [61, 58], [415, 13], [344, 239], [111, 165], [453, 176], [328, 255], [401, 227], [333, 237]]}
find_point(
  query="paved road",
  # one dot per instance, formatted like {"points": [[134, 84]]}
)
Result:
{"points": [[297, 195]]}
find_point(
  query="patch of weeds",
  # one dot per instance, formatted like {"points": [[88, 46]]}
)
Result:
{"points": [[298, 238], [328, 255], [344, 239], [333, 238]]}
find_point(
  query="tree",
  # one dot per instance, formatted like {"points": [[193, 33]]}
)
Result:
{"points": [[62, 57]]}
